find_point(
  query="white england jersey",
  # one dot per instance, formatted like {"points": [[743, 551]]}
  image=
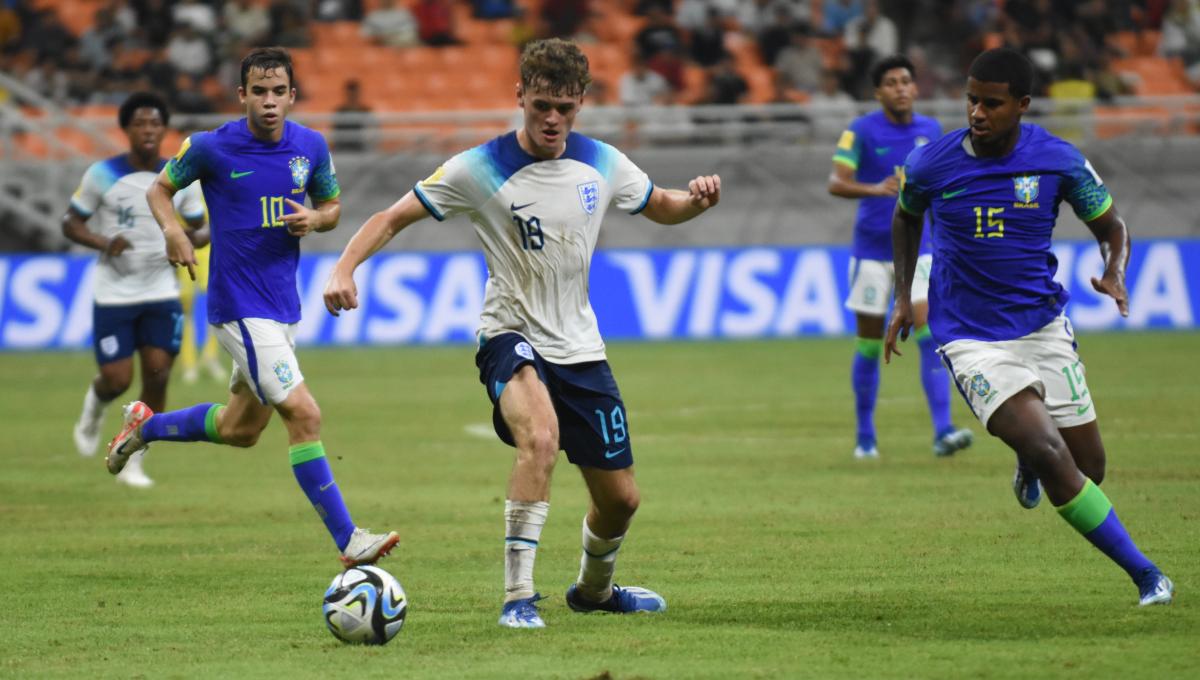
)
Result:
{"points": [[538, 221], [112, 196]]}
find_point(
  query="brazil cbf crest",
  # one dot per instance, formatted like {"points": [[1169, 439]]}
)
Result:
{"points": [[300, 167], [283, 371], [589, 196], [1026, 188]]}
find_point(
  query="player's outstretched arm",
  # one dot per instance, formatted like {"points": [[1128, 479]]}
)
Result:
{"points": [[179, 247], [1110, 230], [340, 291], [906, 239], [672, 206]]}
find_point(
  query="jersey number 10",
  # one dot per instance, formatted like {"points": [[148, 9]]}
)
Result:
{"points": [[272, 210]]}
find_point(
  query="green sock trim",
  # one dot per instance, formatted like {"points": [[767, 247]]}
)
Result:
{"points": [[922, 333], [869, 347], [210, 424], [302, 453], [1086, 511]]}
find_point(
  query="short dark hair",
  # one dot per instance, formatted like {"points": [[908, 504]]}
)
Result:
{"points": [[1004, 65], [556, 64], [880, 69], [268, 59], [141, 100]]}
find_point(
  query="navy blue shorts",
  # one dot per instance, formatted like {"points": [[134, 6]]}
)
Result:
{"points": [[118, 330], [592, 427]]}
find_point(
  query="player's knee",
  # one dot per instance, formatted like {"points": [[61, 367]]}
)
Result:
{"points": [[112, 385], [1047, 453], [241, 435], [541, 445], [625, 504]]}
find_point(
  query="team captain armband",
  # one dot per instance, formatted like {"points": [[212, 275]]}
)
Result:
{"points": [[184, 167], [847, 150]]}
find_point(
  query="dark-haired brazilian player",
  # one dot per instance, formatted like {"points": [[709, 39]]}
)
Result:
{"points": [[136, 296], [866, 166], [995, 310], [250, 169]]}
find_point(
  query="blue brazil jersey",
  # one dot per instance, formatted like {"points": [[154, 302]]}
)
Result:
{"points": [[253, 264], [993, 271], [875, 148]]}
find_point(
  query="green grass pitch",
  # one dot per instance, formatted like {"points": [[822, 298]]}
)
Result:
{"points": [[780, 555]]}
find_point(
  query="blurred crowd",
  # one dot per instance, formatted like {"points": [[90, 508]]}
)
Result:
{"points": [[817, 50]]}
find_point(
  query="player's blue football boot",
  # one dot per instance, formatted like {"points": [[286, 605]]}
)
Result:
{"points": [[522, 613], [1027, 487], [1154, 588], [946, 443], [622, 601]]}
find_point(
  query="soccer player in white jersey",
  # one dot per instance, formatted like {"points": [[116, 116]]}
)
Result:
{"points": [[537, 197], [136, 295]]}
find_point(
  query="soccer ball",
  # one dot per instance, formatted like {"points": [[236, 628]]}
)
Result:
{"points": [[365, 605]]}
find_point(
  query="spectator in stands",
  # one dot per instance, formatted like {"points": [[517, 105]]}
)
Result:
{"points": [[693, 14], [644, 8], [189, 51], [755, 16], [200, 15], [189, 96], [435, 22], [493, 9], [838, 13], [1108, 82], [97, 42], [161, 74], [708, 41], [725, 84], [124, 16], [830, 95], [289, 26], [800, 64], [155, 21], [660, 34], [351, 120], [246, 24], [48, 80], [391, 25], [1181, 36], [337, 10], [868, 38], [563, 18], [642, 87], [777, 35]]}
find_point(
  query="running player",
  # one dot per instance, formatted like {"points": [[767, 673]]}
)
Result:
{"points": [[137, 304], [994, 307], [537, 196], [250, 169], [865, 166]]}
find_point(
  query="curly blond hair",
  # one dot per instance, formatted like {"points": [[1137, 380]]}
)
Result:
{"points": [[555, 65]]}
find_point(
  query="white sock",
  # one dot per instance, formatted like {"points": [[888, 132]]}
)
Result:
{"points": [[523, 522], [93, 408], [597, 565]]}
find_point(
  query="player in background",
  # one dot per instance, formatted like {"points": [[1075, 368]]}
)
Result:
{"points": [[190, 293], [537, 197], [866, 166], [136, 297], [994, 307], [250, 169]]}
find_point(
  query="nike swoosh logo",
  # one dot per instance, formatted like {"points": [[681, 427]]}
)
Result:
{"points": [[326, 486], [952, 194], [234, 174], [514, 207], [1083, 409], [614, 454], [881, 150]]}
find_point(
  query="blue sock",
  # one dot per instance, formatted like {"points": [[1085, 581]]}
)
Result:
{"points": [[1092, 515], [936, 382], [193, 424], [864, 376], [316, 479]]}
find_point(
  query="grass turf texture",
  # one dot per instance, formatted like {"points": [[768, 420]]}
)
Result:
{"points": [[779, 555]]}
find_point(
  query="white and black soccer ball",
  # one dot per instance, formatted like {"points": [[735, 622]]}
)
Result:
{"points": [[365, 605]]}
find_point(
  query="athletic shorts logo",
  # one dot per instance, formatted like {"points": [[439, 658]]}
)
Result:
{"points": [[283, 371], [109, 345], [921, 140], [525, 350], [981, 387], [300, 167], [589, 196]]}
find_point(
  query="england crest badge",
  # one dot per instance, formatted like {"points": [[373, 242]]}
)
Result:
{"points": [[589, 196]]}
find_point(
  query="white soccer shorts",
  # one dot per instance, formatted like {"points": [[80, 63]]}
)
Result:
{"points": [[871, 284], [264, 357], [989, 373]]}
